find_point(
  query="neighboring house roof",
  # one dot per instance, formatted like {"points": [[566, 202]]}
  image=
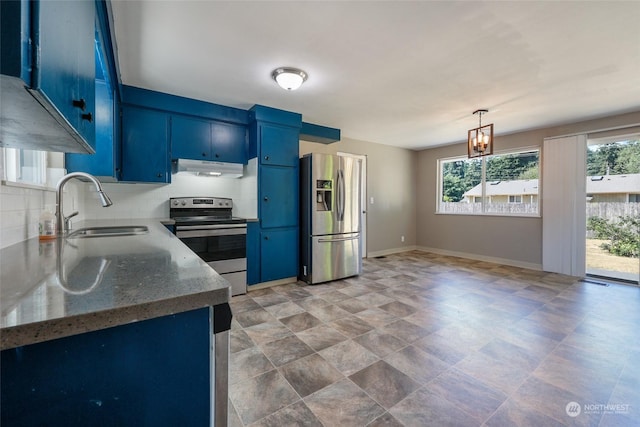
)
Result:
{"points": [[504, 188], [629, 183], [606, 184]]}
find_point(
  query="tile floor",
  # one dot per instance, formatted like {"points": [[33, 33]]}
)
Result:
{"points": [[426, 340]]}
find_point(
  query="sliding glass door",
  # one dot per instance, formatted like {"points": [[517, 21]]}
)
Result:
{"points": [[613, 208]]}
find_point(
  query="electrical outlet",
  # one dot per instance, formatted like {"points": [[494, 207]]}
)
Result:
{"points": [[402, 238], [372, 200]]}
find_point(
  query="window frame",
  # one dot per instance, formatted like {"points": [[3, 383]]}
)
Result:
{"points": [[11, 165], [439, 183]]}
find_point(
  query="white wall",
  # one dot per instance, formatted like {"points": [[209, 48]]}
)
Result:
{"points": [[391, 181], [511, 240]]}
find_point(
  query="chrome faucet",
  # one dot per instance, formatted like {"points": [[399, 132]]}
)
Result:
{"points": [[62, 222]]}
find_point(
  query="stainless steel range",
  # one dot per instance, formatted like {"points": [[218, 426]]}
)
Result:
{"points": [[207, 226]]}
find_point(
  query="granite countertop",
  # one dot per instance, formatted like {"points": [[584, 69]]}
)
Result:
{"points": [[67, 286]]}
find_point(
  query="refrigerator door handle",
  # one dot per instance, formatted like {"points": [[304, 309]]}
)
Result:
{"points": [[341, 189], [341, 239]]}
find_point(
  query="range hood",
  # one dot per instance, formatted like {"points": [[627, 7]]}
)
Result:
{"points": [[208, 168], [28, 120]]}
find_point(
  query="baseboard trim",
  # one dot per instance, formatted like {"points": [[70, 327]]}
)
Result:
{"points": [[476, 257], [391, 251], [271, 283]]}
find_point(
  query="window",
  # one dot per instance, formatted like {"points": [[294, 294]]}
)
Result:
{"points": [[634, 198], [504, 184], [25, 166]]}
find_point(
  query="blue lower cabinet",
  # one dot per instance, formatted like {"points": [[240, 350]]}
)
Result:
{"points": [[145, 145], [278, 254], [155, 372]]}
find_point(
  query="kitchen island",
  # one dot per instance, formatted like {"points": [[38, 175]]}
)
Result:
{"points": [[121, 330]]}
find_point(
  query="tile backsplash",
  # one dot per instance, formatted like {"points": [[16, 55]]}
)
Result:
{"points": [[20, 207], [152, 200]]}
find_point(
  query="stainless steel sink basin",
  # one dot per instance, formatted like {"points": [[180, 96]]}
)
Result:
{"points": [[126, 230]]}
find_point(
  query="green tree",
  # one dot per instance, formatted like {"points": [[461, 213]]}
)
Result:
{"points": [[615, 158], [623, 235]]}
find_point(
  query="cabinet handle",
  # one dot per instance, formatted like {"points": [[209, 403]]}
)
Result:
{"points": [[266, 237], [88, 117], [79, 103], [266, 199], [160, 175], [217, 155], [204, 154], [266, 157]]}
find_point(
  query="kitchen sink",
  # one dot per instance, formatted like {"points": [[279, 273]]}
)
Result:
{"points": [[126, 230]]}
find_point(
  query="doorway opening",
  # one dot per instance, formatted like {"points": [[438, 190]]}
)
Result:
{"points": [[613, 208]]}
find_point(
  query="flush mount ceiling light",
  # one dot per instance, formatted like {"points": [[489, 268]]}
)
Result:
{"points": [[289, 78], [480, 139]]}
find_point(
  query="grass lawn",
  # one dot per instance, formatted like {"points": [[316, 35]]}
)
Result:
{"points": [[600, 259]]}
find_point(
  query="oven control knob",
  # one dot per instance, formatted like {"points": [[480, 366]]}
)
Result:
{"points": [[183, 203], [175, 203], [226, 203]]}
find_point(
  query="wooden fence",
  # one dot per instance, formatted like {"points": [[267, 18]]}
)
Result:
{"points": [[607, 210], [491, 208], [612, 211]]}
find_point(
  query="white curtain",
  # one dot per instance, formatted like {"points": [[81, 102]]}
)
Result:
{"points": [[564, 205]]}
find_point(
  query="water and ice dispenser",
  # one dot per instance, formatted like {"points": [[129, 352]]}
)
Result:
{"points": [[324, 189]]}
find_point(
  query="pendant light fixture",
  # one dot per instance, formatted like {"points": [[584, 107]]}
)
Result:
{"points": [[480, 139], [289, 78]]}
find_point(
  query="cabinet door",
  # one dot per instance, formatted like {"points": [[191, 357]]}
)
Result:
{"points": [[105, 163], [278, 196], [279, 145], [278, 254], [228, 142], [145, 145], [65, 37], [190, 138]]}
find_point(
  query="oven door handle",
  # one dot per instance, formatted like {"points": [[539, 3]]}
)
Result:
{"points": [[208, 232], [209, 227]]}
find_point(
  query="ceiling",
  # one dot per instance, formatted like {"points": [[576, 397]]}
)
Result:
{"points": [[407, 74]]}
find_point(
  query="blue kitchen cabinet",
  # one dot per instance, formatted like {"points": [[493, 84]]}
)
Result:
{"points": [[145, 145], [124, 375], [64, 34], [279, 145], [278, 196], [274, 139], [278, 253], [229, 142], [190, 138], [106, 163], [198, 139]]}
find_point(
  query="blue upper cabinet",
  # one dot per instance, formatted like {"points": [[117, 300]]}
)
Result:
{"points": [[145, 145], [198, 139], [278, 145], [229, 142], [64, 34], [190, 138], [106, 162]]}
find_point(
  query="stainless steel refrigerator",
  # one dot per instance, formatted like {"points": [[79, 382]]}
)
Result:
{"points": [[330, 218]]}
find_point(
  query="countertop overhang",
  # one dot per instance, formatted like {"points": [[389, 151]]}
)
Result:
{"points": [[65, 287]]}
